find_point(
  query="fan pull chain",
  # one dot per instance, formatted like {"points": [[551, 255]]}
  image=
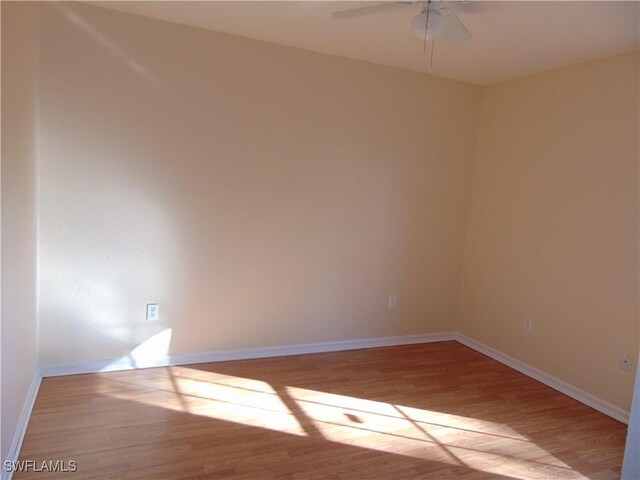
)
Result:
{"points": [[433, 42], [433, 47], [426, 27]]}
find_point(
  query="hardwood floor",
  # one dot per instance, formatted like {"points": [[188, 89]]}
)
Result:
{"points": [[438, 410]]}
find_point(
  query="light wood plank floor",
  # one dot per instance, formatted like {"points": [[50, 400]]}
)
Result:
{"points": [[437, 410]]}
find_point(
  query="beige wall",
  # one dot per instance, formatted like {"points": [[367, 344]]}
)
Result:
{"points": [[262, 195], [553, 230], [18, 186]]}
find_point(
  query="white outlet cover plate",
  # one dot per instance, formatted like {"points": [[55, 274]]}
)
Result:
{"points": [[626, 361], [393, 301], [152, 312]]}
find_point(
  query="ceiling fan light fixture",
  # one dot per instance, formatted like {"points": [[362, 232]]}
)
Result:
{"points": [[435, 27]]}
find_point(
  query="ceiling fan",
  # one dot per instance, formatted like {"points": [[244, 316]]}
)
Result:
{"points": [[434, 21]]}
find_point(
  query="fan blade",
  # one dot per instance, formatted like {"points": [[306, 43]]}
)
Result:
{"points": [[381, 7], [454, 31], [474, 6]]}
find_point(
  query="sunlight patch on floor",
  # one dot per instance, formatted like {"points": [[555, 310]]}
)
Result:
{"points": [[458, 441], [433, 436], [259, 406], [220, 379]]}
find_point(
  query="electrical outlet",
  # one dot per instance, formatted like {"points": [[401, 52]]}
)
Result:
{"points": [[528, 324], [626, 361], [152, 312], [393, 301]]}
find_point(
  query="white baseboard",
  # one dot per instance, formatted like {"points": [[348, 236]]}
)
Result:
{"points": [[53, 370], [549, 380], [21, 427]]}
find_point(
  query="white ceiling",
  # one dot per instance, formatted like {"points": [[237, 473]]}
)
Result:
{"points": [[510, 38]]}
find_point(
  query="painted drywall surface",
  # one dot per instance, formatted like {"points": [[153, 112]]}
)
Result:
{"points": [[18, 186], [262, 195], [553, 230]]}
